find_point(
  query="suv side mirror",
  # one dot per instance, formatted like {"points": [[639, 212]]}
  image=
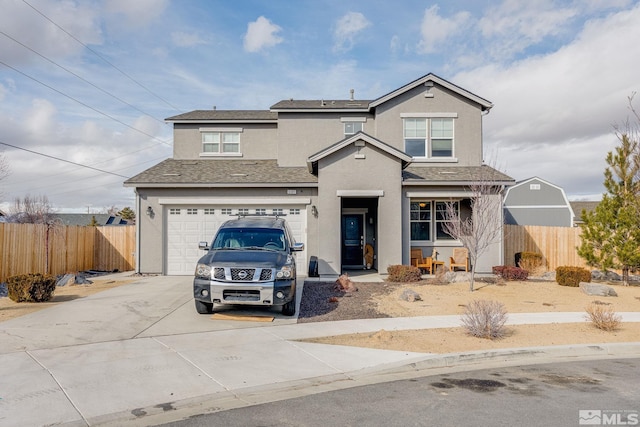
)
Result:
{"points": [[204, 246], [297, 247]]}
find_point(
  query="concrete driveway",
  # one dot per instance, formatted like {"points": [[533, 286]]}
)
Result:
{"points": [[139, 354]]}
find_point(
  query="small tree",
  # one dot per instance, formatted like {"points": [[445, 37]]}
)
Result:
{"points": [[610, 234], [127, 213], [4, 169], [36, 210], [483, 227]]}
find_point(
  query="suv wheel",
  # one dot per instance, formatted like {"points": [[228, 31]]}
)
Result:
{"points": [[289, 309], [204, 307]]}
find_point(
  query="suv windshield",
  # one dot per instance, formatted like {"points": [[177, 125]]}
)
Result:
{"points": [[254, 238]]}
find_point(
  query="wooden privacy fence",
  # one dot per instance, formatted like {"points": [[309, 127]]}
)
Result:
{"points": [[23, 249], [556, 244]]}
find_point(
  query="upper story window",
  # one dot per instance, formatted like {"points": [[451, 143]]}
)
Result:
{"points": [[220, 142], [353, 125], [351, 128], [429, 137]]}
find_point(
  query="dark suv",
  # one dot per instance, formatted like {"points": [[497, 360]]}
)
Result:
{"points": [[250, 261]]}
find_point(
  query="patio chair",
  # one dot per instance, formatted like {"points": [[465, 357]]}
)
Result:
{"points": [[460, 259], [419, 261]]}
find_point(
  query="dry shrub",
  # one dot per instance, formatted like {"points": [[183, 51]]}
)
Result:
{"points": [[603, 317], [532, 262], [404, 273], [572, 276], [31, 287], [485, 319]]}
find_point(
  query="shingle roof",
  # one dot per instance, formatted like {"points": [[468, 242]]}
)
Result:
{"points": [[321, 104], [221, 171], [578, 207], [225, 115], [453, 175]]}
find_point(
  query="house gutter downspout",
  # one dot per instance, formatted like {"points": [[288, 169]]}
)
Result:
{"points": [[138, 224]]}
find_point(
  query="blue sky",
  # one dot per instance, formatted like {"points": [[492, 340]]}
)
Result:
{"points": [[91, 82]]}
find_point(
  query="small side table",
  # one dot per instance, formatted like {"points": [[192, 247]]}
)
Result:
{"points": [[436, 264]]}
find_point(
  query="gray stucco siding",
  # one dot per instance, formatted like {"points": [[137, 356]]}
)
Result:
{"points": [[257, 140], [544, 216]]}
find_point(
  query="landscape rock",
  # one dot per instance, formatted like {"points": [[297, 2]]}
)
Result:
{"points": [[597, 289], [605, 275], [457, 277], [67, 279], [82, 280], [410, 295], [345, 284]]}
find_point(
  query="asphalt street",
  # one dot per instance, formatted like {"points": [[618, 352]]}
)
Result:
{"points": [[556, 394]]}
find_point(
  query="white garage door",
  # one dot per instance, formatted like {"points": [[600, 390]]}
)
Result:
{"points": [[188, 225]]}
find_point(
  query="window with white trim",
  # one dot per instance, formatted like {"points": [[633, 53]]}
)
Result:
{"points": [[425, 226], [294, 211], [209, 211], [428, 137], [278, 211], [261, 211], [174, 211], [243, 211], [220, 142], [351, 128], [441, 219], [226, 211], [191, 211]]}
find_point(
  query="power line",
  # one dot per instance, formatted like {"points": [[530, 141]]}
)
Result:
{"points": [[82, 103], [63, 160], [82, 78], [101, 57]]}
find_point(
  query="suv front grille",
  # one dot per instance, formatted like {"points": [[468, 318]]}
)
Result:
{"points": [[242, 274], [218, 273], [236, 274], [266, 274]]}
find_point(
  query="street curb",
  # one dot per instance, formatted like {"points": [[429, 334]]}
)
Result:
{"points": [[430, 364]]}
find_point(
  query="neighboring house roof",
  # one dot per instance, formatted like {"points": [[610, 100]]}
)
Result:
{"points": [[312, 161], [454, 175], [245, 116], [189, 173], [578, 207], [86, 219]]}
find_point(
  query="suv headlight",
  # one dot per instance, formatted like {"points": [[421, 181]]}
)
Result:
{"points": [[203, 271], [284, 273]]}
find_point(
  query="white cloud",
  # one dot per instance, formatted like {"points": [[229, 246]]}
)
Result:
{"points": [[131, 15], [30, 28], [554, 113], [435, 30], [261, 34], [182, 39], [513, 25], [347, 28]]}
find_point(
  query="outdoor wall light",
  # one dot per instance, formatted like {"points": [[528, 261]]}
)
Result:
{"points": [[149, 210], [314, 210]]}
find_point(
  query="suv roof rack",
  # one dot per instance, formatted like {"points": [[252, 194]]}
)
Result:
{"points": [[242, 215]]}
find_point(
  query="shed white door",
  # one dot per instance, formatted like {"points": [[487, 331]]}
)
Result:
{"points": [[188, 225]]}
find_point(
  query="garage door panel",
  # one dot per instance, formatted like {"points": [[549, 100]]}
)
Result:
{"points": [[185, 231]]}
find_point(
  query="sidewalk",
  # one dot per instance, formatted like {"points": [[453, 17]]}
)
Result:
{"points": [[140, 355]]}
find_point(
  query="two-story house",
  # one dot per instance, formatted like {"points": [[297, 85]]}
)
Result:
{"points": [[350, 176]]}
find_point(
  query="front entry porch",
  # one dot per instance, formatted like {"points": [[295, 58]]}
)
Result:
{"points": [[358, 233]]}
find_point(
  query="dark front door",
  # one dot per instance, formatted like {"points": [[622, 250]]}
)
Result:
{"points": [[352, 240]]}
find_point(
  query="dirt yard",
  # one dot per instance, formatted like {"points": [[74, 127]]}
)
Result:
{"points": [[517, 297], [10, 309]]}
